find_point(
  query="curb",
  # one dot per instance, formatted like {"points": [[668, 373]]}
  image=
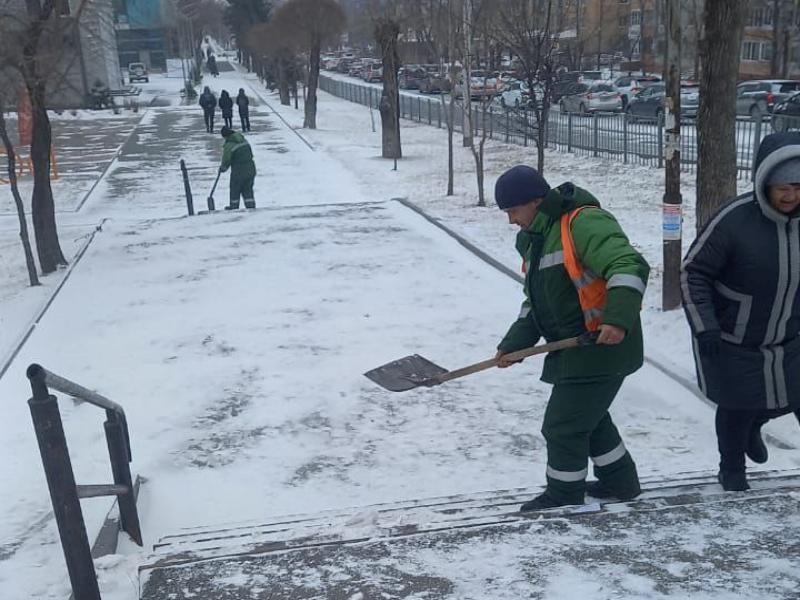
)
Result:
{"points": [[39, 315], [670, 372]]}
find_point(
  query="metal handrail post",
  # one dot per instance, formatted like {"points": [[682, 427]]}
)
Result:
{"points": [[187, 188], [63, 491], [118, 453]]}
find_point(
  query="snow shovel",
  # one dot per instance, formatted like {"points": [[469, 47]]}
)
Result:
{"points": [[417, 371], [211, 206]]}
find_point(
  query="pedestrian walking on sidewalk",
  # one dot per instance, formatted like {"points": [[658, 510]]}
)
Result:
{"points": [[211, 63], [237, 154], [581, 274], [208, 102], [243, 102], [741, 292], [226, 106]]}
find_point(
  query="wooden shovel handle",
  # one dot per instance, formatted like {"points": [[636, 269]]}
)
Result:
{"points": [[585, 339]]}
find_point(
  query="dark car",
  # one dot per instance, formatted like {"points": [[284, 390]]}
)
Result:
{"points": [[649, 103], [409, 77], [757, 98], [786, 114]]}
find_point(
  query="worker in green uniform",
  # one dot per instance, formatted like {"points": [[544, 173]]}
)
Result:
{"points": [[591, 280], [237, 154]]}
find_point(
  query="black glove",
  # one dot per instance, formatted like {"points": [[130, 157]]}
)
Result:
{"points": [[709, 343]]}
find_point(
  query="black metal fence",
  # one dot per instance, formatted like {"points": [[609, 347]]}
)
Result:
{"points": [[64, 492], [616, 136]]}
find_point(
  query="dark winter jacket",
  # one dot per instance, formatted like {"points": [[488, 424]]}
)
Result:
{"points": [[552, 309], [741, 278], [208, 101], [243, 102], [226, 105]]}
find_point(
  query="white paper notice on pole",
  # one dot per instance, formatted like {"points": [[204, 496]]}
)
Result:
{"points": [[672, 221]]}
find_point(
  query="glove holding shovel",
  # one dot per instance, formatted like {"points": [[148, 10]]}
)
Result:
{"points": [[414, 371]]}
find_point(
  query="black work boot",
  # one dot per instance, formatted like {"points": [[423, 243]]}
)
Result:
{"points": [[231, 207], [756, 449], [733, 481], [541, 502], [597, 489]]}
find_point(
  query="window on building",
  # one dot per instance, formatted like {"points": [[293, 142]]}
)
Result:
{"points": [[636, 17], [623, 1], [757, 51], [623, 21]]}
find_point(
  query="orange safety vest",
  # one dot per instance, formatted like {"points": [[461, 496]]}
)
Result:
{"points": [[590, 287]]}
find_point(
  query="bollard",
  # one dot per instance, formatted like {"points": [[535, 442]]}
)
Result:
{"points": [[187, 188]]}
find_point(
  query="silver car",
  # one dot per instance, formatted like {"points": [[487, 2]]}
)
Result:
{"points": [[588, 98]]}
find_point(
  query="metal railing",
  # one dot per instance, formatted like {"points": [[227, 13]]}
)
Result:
{"points": [[64, 492], [616, 136]]}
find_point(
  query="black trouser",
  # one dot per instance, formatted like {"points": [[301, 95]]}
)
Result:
{"points": [[208, 115], [228, 121], [245, 119], [734, 428]]}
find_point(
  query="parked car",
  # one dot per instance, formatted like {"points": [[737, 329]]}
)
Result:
{"points": [[372, 70], [434, 82], [481, 84], [595, 97], [517, 94], [137, 72], [690, 99], [344, 65], [629, 85], [759, 97], [408, 77], [354, 67], [786, 114]]}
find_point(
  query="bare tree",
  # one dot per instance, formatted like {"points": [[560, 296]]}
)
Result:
{"points": [[12, 179], [311, 22], [723, 22], [33, 47], [277, 45], [531, 29]]}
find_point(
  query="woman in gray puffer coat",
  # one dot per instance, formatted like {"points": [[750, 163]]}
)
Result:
{"points": [[741, 292]]}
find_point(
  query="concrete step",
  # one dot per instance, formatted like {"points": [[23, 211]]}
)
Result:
{"points": [[427, 515], [683, 537]]}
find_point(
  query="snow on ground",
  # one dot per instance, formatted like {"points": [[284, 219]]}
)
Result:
{"points": [[236, 341]]}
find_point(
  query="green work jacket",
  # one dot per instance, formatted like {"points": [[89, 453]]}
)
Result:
{"points": [[551, 308], [237, 154]]}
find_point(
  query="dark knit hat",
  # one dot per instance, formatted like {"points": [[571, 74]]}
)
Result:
{"points": [[519, 185], [226, 131]]}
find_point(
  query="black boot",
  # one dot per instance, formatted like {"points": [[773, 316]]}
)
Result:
{"points": [[541, 502], [597, 489], [733, 481], [231, 207], [756, 449]]}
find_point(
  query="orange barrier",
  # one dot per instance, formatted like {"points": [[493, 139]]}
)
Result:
{"points": [[25, 164]]}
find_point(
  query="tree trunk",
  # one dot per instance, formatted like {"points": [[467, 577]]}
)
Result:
{"points": [[283, 83], [386, 33], [310, 119], [775, 63], [541, 138], [716, 138], [42, 206], [23, 224]]}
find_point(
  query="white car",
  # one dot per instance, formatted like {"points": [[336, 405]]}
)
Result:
{"points": [[517, 94], [597, 97], [481, 85]]}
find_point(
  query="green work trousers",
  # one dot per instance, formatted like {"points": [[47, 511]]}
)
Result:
{"points": [[242, 187], [577, 427]]}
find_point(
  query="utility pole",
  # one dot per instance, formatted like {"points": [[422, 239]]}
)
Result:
{"points": [[672, 216]]}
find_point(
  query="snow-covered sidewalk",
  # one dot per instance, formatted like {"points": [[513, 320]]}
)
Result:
{"points": [[236, 343]]}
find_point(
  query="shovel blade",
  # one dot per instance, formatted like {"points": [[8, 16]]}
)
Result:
{"points": [[405, 373]]}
